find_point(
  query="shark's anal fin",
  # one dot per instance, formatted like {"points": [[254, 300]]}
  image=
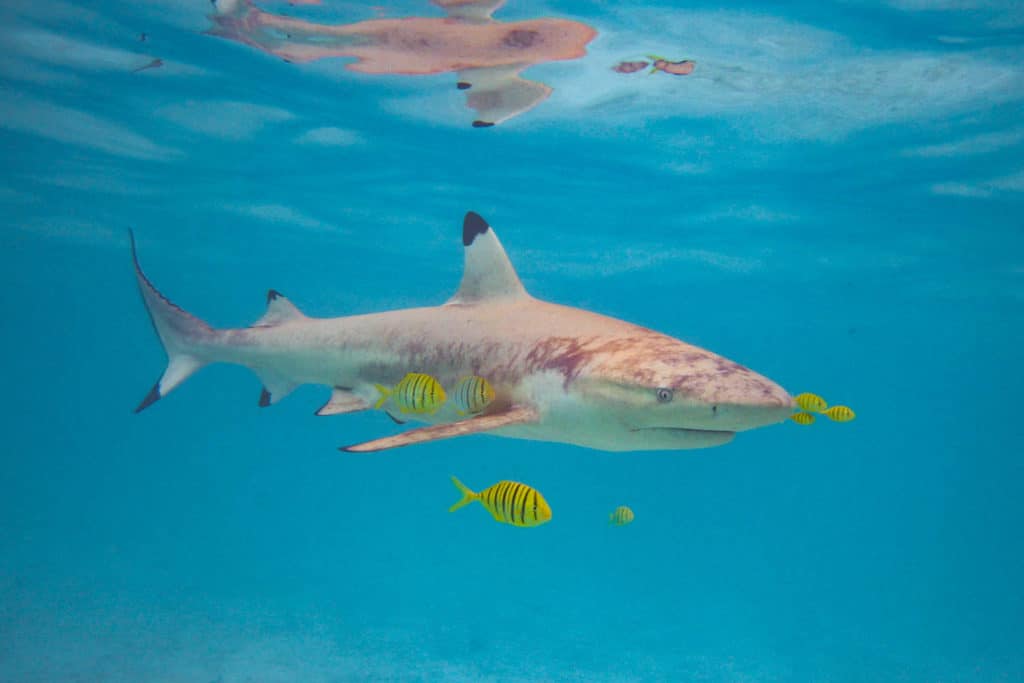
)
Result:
{"points": [[343, 400], [275, 387], [475, 425], [488, 275]]}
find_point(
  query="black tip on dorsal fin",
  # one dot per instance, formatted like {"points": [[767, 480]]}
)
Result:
{"points": [[273, 294], [482, 124], [265, 395], [463, 85], [152, 397], [472, 225]]}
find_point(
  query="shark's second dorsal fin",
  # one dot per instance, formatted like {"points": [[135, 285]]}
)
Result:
{"points": [[279, 310], [488, 273]]}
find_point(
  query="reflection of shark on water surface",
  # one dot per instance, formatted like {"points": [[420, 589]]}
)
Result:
{"points": [[559, 373], [487, 55]]}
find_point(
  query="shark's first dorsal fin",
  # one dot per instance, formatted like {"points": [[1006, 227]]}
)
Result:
{"points": [[488, 273], [279, 310]]}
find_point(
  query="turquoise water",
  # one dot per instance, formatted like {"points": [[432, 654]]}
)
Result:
{"points": [[833, 198]]}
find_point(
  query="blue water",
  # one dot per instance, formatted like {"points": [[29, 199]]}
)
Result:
{"points": [[834, 198]]}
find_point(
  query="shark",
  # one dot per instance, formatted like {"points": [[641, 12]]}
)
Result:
{"points": [[559, 374]]}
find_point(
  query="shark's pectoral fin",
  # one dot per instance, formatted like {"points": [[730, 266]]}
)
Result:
{"points": [[475, 425], [343, 401]]}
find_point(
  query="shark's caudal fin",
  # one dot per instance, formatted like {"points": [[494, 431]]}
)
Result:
{"points": [[183, 335], [488, 274], [467, 495]]}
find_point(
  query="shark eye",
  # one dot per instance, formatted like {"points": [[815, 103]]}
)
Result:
{"points": [[664, 395]]}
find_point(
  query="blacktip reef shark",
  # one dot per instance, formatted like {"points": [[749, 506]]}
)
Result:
{"points": [[559, 374]]}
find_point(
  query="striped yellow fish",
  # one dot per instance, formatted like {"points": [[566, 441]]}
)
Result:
{"points": [[802, 418], [812, 403], [416, 393], [840, 414], [621, 517], [472, 394], [508, 502]]}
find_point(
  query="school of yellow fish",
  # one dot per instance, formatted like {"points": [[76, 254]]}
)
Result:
{"points": [[422, 394], [812, 403], [515, 503]]}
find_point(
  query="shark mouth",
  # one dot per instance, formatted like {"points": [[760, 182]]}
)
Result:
{"points": [[684, 430]]}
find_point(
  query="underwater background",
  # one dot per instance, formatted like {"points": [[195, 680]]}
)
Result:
{"points": [[834, 197]]}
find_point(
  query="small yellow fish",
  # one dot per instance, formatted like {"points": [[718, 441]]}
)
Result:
{"points": [[472, 395], [416, 393], [812, 403], [508, 502], [802, 418], [621, 517], [840, 414]]}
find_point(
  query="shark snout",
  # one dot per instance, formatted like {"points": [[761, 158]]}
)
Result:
{"points": [[737, 402], [762, 402]]}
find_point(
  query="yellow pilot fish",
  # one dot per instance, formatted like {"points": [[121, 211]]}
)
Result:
{"points": [[840, 414], [416, 393], [802, 418], [472, 395], [621, 517], [812, 403], [508, 502]]}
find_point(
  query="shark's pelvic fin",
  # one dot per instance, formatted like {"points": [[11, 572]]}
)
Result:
{"points": [[182, 334], [476, 425], [279, 310], [476, 12], [488, 274], [343, 401]]}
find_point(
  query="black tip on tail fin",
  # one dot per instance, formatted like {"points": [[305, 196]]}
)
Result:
{"points": [[472, 225], [482, 124], [273, 294], [264, 398], [463, 85], [185, 338], [152, 397]]}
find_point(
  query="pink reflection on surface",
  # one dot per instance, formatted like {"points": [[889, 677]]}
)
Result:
{"points": [[487, 55]]}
